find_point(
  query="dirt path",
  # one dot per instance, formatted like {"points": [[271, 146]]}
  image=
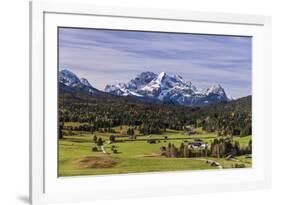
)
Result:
{"points": [[103, 147]]}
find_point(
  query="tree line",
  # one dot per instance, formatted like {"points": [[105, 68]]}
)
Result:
{"points": [[220, 148], [233, 118]]}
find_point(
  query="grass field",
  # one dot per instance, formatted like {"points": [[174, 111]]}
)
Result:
{"points": [[76, 156]]}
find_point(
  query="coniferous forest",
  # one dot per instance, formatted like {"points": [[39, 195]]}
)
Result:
{"points": [[99, 132], [105, 111]]}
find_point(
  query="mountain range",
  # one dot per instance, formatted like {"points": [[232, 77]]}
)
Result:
{"points": [[172, 89], [70, 82]]}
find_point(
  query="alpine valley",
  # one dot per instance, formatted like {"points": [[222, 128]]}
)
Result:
{"points": [[152, 123]]}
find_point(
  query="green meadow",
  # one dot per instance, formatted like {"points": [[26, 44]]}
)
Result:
{"points": [[135, 156]]}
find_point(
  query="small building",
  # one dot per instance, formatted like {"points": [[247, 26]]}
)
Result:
{"points": [[132, 137], [151, 141], [197, 145], [236, 132], [190, 133]]}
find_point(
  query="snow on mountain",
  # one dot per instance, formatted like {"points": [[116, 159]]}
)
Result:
{"points": [[215, 89], [70, 80], [148, 85], [141, 80], [85, 82], [169, 88], [120, 89]]}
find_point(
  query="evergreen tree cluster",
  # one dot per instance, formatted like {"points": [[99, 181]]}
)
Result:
{"points": [[101, 113], [130, 131], [220, 148], [184, 151]]}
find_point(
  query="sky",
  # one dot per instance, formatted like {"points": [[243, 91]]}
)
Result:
{"points": [[113, 56]]}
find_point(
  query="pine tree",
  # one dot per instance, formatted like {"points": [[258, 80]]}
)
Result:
{"points": [[60, 131], [237, 148], [95, 138], [186, 151], [181, 151], [100, 142], [112, 138], [250, 146]]}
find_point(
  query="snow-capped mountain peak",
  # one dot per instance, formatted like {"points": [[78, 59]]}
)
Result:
{"points": [[141, 80], [171, 88], [147, 76], [215, 89], [160, 87], [161, 76], [71, 81], [85, 82], [68, 78], [178, 78]]}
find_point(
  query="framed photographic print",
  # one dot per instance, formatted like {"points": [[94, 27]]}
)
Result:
{"points": [[124, 96]]}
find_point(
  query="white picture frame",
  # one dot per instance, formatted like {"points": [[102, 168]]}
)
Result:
{"points": [[46, 187]]}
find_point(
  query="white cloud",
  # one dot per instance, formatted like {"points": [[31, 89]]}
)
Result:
{"points": [[108, 57]]}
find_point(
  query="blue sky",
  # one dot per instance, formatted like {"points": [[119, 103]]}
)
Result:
{"points": [[109, 57]]}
